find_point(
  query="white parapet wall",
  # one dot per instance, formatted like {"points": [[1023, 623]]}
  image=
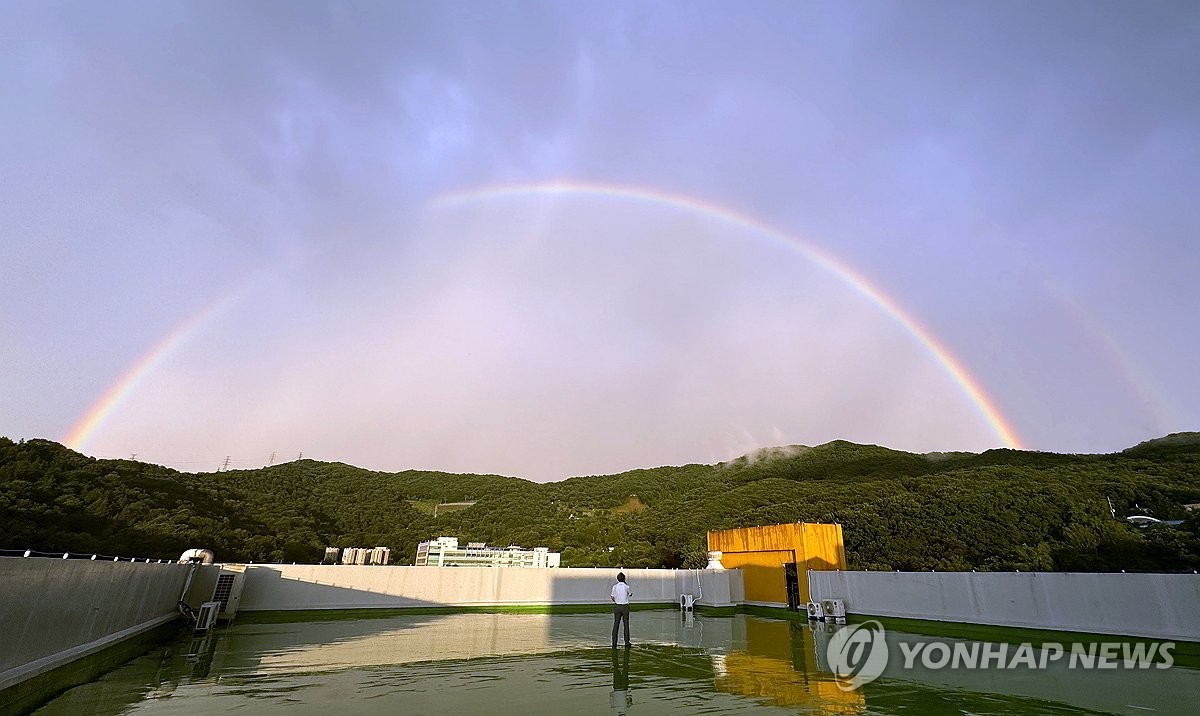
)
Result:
{"points": [[54, 611], [1162, 606], [296, 587]]}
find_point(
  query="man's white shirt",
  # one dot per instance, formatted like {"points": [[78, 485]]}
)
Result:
{"points": [[621, 592]]}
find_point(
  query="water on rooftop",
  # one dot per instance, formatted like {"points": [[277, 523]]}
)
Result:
{"points": [[562, 664]]}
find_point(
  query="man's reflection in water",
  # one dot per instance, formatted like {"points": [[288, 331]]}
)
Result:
{"points": [[620, 699]]}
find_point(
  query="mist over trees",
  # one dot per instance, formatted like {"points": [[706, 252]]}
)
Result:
{"points": [[999, 510]]}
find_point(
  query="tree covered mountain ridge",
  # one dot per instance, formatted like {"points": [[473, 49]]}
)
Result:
{"points": [[998, 510]]}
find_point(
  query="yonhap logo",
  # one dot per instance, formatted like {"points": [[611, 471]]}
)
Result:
{"points": [[857, 654]]}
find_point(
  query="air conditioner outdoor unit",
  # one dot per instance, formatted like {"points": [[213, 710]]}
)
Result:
{"points": [[687, 602], [228, 590], [815, 610], [206, 618], [834, 609]]}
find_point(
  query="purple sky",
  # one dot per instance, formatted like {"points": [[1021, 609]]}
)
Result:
{"points": [[1019, 178]]}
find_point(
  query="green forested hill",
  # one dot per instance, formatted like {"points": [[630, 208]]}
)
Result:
{"points": [[1002, 509]]}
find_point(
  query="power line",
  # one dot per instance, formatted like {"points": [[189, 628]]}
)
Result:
{"points": [[190, 463]]}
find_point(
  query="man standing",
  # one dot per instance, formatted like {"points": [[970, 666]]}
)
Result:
{"points": [[620, 596]]}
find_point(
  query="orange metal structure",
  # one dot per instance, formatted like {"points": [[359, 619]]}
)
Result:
{"points": [[764, 553]]}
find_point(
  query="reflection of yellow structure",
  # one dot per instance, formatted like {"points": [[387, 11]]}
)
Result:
{"points": [[779, 664], [762, 554]]}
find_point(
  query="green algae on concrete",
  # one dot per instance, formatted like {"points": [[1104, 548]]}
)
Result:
{"points": [[27, 695], [552, 663]]}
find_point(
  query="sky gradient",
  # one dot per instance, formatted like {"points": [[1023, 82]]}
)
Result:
{"points": [[554, 239]]}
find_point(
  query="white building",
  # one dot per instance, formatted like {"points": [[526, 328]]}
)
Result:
{"points": [[358, 555], [445, 552]]}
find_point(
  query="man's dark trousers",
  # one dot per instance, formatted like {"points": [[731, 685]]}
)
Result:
{"points": [[620, 614]]}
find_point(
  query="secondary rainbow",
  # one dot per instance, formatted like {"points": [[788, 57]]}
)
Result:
{"points": [[942, 355]]}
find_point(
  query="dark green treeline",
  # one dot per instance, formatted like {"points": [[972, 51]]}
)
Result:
{"points": [[999, 510]]}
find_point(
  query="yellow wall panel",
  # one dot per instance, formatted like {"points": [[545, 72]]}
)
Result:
{"points": [[762, 573]]}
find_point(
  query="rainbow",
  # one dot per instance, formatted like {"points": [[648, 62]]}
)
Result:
{"points": [[86, 426], [942, 355], [1157, 409]]}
